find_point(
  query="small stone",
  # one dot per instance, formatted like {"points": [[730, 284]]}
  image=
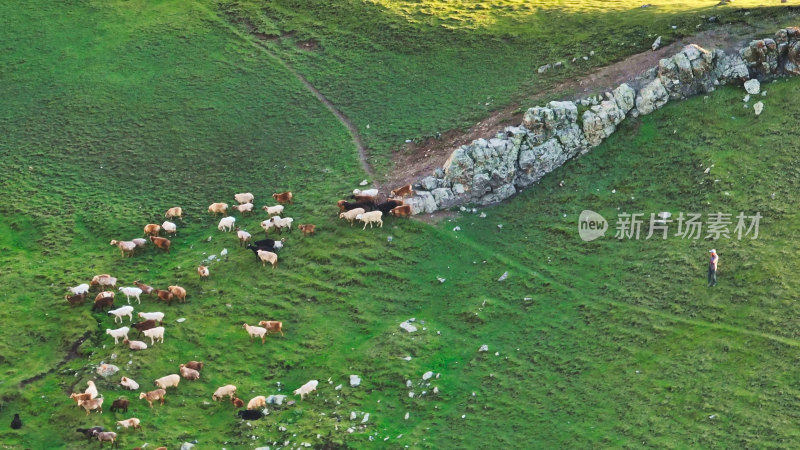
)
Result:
{"points": [[366, 418], [484, 348], [407, 358], [752, 87], [181, 320], [457, 229], [427, 375], [482, 215], [746, 98], [364, 182], [355, 380], [758, 108], [352, 415], [408, 327], [406, 416], [503, 276], [338, 388], [410, 395], [435, 390]]}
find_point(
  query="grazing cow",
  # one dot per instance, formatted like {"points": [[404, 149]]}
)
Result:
{"points": [[101, 303], [402, 192], [401, 211], [388, 205], [370, 199], [272, 326], [152, 229], [244, 198], [203, 272], [152, 396], [145, 325], [218, 208], [90, 432], [162, 243], [120, 404], [178, 292], [196, 365], [307, 229], [237, 402], [370, 218], [76, 299], [344, 205], [267, 257], [283, 197], [174, 212], [145, 288], [250, 414], [166, 296], [351, 215]]}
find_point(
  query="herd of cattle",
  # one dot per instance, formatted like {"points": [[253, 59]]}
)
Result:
{"points": [[365, 206]]}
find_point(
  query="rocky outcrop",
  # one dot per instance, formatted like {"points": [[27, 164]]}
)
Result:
{"points": [[490, 170]]}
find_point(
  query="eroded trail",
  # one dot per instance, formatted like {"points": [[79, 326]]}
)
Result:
{"points": [[363, 157], [416, 161]]}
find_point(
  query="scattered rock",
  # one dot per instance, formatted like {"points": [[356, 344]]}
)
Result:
{"points": [[441, 280], [366, 418], [758, 108], [353, 415], [746, 98], [355, 380], [752, 86], [484, 348], [544, 68], [338, 387], [503, 276], [363, 182], [427, 375], [656, 44], [408, 327], [406, 416], [410, 395], [106, 370], [181, 320], [187, 446]]}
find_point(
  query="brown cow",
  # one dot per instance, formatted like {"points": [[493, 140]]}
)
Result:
{"points": [[178, 292], [145, 288], [196, 365], [162, 243], [75, 299], [120, 404], [283, 197], [272, 326], [370, 199], [402, 191], [307, 229], [152, 396], [152, 229], [103, 300], [401, 211], [237, 402], [144, 325], [167, 296]]}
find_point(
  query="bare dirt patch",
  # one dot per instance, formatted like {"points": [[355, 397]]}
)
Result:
{"points": [[414, 161]]}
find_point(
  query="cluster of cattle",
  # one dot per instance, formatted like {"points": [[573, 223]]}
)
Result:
{"points": [[365, 207]]}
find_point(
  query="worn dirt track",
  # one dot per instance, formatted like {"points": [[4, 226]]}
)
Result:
{"points": [[415, 161]]}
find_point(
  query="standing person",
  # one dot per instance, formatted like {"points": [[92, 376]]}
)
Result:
{"points": [[713, 262]]}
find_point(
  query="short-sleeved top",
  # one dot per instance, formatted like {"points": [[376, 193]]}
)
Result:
{"points": [[712, 262]]}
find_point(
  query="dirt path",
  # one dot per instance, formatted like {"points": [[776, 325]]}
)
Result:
{"points": [[351, 127], [414, 161]]}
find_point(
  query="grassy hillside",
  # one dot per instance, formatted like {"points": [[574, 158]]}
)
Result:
{"points": [[412, 69], [114, 111]]}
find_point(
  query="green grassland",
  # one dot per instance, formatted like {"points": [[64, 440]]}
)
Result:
{"points": [[412, 69], [114, 111]]}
